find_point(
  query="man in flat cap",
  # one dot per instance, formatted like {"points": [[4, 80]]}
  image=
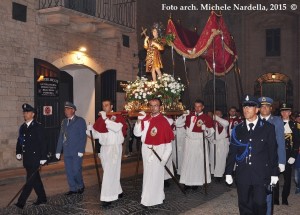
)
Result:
{"points": [[253, 149], [265, 114], [72, 140], [32, 148], [292, 138]]}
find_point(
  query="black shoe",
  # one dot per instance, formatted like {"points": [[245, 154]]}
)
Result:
{"points": [[187, 187], [19, 205], [144, 207], [80, 191], [195, 187], [39, 202], [106, 204], [276, 202], [166, 183], [120, 196], [218, 179], [70, 193], [285, 202]]}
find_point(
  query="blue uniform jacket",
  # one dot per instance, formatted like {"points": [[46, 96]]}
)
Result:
{"points": [[257, 166], [279, 131], [31, 144], [72, 137]]}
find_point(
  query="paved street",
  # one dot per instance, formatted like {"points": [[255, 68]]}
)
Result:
{"points": [[219, 200]]}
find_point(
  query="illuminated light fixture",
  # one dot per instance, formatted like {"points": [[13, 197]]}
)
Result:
{"points": [[273, 76], [41, 78], [79, 55], [82, 49]]}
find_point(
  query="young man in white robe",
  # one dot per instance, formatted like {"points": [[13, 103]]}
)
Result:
{"points": [[110, 130], [220, 141], [193, 170], [155, 133]]}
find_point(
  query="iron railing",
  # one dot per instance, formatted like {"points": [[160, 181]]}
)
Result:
{"points": [[121, 12]]}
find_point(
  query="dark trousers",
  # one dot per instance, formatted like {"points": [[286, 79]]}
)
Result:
{"points": [[252, 199], [33, 181], [287, 174], [138, 143]]}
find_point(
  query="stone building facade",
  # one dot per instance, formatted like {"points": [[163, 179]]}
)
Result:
{"points": [[55, 35]]}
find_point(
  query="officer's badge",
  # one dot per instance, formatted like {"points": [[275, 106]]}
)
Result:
{"points": [[247, 98], [263, 99], [284, 105], [113, 118], [199, 123], [153, 131]]}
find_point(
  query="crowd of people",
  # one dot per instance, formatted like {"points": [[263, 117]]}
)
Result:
{"points": [[252, 149]]}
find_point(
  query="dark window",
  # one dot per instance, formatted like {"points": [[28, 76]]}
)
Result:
{"points": [[273, 42], [125, 40], [19, 12]]}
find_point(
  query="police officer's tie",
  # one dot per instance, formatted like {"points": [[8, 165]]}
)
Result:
{"points": [[251, 127], [69, 121]]}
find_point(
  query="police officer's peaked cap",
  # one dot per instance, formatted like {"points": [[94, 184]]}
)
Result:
{"points": [[70, 105], [249, 100], [28, 108], [265, 100], [285, 106]]}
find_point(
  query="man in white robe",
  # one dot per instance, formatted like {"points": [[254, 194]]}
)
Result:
{"points": [[110, 130], [221, 142], [156, 132], [197, 123]]}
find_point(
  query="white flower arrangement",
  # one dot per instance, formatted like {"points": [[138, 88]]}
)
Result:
{"points": [[166, 87]]}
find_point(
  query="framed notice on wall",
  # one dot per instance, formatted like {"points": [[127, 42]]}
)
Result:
{"points": [[47, 87]]}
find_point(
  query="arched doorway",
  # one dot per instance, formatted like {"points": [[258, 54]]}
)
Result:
{"points": [[277, 86]]}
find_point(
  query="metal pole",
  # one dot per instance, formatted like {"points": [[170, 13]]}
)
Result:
{"points": [[168, 171], [95, 160], [204, 153]]}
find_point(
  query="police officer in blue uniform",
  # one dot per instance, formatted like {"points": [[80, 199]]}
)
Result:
{"points": [[292, 139], [72, 139], [33, 150], [265, 114], [253, 149]]}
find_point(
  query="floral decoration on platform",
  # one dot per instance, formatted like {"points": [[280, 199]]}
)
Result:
{"points": [[140, 91]]}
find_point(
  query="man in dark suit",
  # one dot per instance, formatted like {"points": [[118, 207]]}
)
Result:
{"points": [[31, 147], [291, 133], [253, 149], [72, 140]]}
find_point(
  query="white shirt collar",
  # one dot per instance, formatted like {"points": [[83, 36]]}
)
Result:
{"points": [[267, 118], [28, 123], [254, 122]]}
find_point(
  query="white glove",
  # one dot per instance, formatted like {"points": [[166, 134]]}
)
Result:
{"points": [[80, 154], [42, 162], [274, 180], [103, 115], [228, 179], [143, 115], [291, 160], [281, 167], [99, 155], [163, 162], [89, 127], [19, 156], [187, 112], [57, 155]]}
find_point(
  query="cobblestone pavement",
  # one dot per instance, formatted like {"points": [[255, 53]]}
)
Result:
{"points": [[88, 203]]}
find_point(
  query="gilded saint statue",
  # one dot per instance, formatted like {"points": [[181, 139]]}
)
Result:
{"points": [[153, 47]]}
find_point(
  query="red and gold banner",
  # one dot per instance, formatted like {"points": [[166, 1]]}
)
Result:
{"points": [[209, 45]]}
